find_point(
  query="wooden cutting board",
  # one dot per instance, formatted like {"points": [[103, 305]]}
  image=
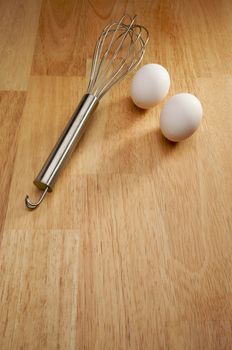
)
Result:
{"points": [[133, 249]]}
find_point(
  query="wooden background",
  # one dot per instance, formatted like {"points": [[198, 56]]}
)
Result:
{"points": [[133, 249]]}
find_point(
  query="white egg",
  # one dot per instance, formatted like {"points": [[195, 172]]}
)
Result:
{"points": [[181, 116], [150, 85]]}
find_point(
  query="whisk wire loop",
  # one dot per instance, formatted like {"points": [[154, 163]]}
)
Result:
{"points": [[103, 73], [122, 64], [98, 49], [125, 50]]}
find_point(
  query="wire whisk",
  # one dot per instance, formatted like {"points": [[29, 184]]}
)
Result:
{"points": [[119, 50]]}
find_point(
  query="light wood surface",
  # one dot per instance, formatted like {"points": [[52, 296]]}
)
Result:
{"points": [[19, 23], [133, 249]]}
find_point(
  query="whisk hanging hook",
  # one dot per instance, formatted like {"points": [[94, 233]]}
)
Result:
{"points": [[31, 205]]}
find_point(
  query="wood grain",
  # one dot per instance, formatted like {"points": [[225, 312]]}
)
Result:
{"points": [[133, 248], [39, 305], [63, 45], [11, 107], [18, 26]]}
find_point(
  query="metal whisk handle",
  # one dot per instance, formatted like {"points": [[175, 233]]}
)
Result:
{"points": [[64, 146]]}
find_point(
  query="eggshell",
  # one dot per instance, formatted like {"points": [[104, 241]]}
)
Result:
{"points": [[180, 117], [150, 85]]}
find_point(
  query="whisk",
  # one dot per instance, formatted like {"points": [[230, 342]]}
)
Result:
{"points": [[119, 49]]}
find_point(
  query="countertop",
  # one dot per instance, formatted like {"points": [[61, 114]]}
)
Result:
{"points": [[133, 248]]}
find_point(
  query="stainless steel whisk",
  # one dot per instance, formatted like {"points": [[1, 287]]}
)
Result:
{"points": [[119, 49]]}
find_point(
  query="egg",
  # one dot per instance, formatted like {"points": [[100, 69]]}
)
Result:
{"points": [[180, 116], [150, 85]]}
